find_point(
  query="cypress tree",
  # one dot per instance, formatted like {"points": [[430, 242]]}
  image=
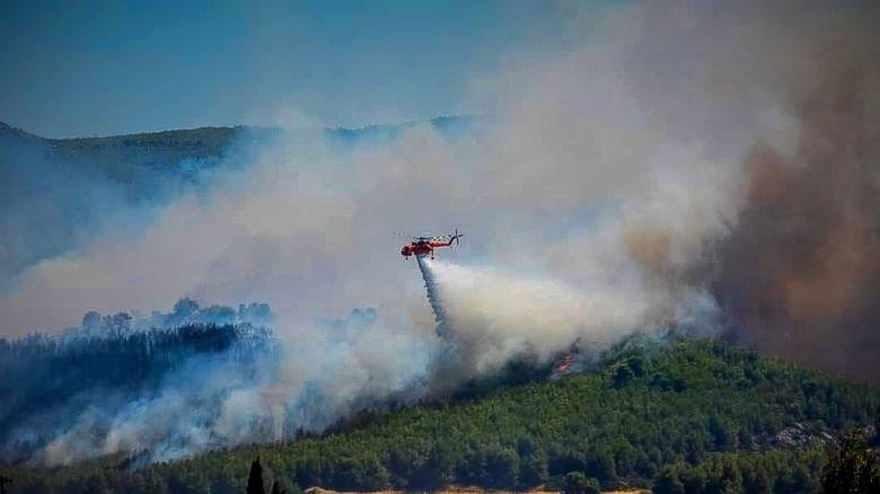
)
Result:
{"points": [[255, 478]]}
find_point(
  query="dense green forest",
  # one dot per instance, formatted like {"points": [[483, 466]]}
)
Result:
{"points": [[109, 368], [43, 375], [692, 416]]}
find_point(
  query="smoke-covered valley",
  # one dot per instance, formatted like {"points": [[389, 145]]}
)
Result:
{"points": [[709, 168]]}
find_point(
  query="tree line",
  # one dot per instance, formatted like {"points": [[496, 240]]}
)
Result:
{"points": [[699, 415]]}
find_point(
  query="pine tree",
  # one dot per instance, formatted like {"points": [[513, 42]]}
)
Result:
{"points": [[852, 467], [668, 482], [579, 483], [255, 479]]}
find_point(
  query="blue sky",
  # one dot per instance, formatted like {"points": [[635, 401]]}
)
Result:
{"points": [[111, 67]]}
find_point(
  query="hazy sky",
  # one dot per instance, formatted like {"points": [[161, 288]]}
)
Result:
{"points": [[109, 67]]}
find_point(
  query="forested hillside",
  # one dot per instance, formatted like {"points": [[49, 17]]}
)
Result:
{"points": [[77, 188], [703, 414], [104, 384]]}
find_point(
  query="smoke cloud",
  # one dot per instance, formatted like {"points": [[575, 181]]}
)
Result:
{"points": [[708, 167], [801, 271]]}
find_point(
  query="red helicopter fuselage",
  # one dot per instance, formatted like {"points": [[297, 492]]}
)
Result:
{"points": [[422, 246]]}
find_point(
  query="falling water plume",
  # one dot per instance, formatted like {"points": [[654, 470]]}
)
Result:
{"points": [[440, 317]]}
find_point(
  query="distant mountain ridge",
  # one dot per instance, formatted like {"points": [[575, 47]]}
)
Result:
{"points": [[56, 193], [135, 160], [442, 123], [162, 150]]}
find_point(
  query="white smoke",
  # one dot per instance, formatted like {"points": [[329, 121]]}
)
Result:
{"points": [[592, 201], [497, 315]]}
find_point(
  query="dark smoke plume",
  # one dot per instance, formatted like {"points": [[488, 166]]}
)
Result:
{"points": [[800, 273]]}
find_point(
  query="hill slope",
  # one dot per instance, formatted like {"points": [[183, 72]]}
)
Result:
{"points": [[77, 188], [711, 414]]}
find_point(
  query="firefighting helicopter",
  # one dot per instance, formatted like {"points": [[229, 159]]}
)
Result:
{"points": [[424, 246]]}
